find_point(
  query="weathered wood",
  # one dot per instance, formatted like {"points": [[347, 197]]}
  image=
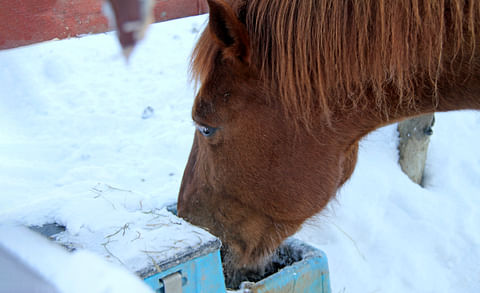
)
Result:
{"points": [[414, 139], [31, 21]]}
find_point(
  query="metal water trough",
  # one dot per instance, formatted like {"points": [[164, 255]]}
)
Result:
{"points": [[199, 270], [308, 273], [202, 272]]}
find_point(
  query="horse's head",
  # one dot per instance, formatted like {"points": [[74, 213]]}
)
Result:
{"points": [[253, 177]]}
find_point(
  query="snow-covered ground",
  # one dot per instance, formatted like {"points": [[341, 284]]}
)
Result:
{"points": [[78, 125]]}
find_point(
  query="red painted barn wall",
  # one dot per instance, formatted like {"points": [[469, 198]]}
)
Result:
{"points": [[24, 22], [171, 9]]}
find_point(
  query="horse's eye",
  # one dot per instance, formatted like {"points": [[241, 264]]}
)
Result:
{"points": [[206, 131]]}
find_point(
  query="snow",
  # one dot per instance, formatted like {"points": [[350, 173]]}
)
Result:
{"points": [[94, 144], [81, 271], [139, 240]]}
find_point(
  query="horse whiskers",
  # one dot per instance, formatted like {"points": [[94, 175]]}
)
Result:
{"points": [[235, 274]]}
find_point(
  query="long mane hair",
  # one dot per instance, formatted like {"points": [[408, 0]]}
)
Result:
{"points": [[319, 55]]}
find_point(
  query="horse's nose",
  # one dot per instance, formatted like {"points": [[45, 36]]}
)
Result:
{"points": [[187, 186]]}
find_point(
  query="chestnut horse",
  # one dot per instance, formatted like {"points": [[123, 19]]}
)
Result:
{"points": [[287, 90]]}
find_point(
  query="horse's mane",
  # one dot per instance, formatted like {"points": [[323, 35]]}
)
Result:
{"points": [[321, 54]]}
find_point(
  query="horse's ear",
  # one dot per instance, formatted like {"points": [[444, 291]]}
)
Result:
{"points": [[229, 31]]}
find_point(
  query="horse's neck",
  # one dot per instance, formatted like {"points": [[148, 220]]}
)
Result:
{"points": [[450, 96]]}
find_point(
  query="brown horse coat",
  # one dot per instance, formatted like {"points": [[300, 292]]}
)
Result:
{"points": [[288, 88]]}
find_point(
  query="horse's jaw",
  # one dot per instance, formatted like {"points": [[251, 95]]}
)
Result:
{"points": [[247, 241]]}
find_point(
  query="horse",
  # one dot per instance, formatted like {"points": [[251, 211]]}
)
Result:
{"points": [[286, 90]]}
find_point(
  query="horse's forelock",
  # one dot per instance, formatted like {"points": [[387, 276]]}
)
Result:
{"points": [[203, 58], [323, 54]]}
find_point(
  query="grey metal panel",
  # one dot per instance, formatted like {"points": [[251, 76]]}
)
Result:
{"points": [[17, 277]]}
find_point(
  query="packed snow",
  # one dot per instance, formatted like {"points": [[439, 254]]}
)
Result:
{"points": [[93, 143], [56, 270]]}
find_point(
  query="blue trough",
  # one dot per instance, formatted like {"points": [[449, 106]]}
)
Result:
{"points": [[201, 271], [299, 268]]}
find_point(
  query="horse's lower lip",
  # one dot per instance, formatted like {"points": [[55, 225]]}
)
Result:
{"points": [[286, 254]]}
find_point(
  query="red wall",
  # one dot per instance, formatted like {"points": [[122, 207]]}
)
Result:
{"points": [[24, 22]]}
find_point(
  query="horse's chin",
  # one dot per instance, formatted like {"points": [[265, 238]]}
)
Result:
{"points": [[286, 254], [238, 267]]}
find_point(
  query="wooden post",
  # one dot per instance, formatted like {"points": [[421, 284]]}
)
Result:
{"points": [[414, 139]]}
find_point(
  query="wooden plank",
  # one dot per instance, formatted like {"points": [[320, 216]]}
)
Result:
{"points": [[24, 22]]}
